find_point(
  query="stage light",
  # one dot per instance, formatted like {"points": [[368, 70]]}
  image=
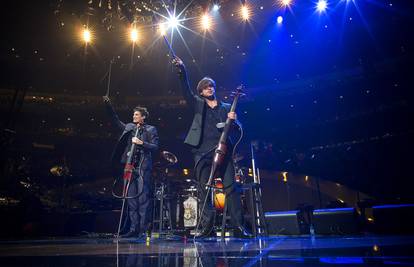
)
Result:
{"points": [[162, 29], [133, 34], [173, 22], [216, 7], [206, 22], [245, 12], [284, 175], [279, 20], [86, 35], [321, 6], [285, 3]]}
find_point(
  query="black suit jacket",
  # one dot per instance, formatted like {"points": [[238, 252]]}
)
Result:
{"points": [[198, 104], [149, 136]]}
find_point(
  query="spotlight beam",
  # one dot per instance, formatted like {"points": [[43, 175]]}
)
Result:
{"points": [[178, 28], [185, 8], [173, 21]]}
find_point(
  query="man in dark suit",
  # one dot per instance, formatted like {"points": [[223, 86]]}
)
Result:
{"points": [[203, 137], [139, 209]]}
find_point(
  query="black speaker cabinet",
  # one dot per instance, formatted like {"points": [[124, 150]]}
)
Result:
{"points": [[340, 221], [393, 219], [282, 223]]}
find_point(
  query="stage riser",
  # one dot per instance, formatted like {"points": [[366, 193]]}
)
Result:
{"points": [[387, 220], [282, 223], [325, 222], [336, 221]]}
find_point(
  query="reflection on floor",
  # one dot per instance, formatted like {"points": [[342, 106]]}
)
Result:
{"points": [[272, 251]]}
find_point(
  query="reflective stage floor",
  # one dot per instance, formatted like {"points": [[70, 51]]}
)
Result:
{"points": [[271, 251]]}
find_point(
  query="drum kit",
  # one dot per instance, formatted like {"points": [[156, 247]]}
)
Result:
{"points": [[172, 187]]}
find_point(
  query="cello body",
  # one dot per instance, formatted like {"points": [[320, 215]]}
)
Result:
{"points": [[220, 153]]}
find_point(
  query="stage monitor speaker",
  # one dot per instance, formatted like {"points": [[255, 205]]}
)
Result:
{"points": [[393, 219], [341, 221], [282, 223]]}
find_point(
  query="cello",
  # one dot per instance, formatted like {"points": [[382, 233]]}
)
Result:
{"points": [[126, 179], [221, 149], [220, 153]]}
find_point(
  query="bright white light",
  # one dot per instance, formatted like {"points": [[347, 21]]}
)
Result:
{"points": [[285, 2], [216, 7], [321, 5], [279, 20], [170, 23], [133, 35], [86, 36], [173, 23], [245, 12], [206, 22]]}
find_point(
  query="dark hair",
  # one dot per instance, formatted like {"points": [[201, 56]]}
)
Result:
{"points": [[144, 112], [205, 82]]}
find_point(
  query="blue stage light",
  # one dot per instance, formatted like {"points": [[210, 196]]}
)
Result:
{"points": [[321, 6], [216, 7], [279, 20]]}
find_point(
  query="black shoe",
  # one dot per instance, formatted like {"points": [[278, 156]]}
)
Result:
{"points": [[243, 232], [130, 234]]}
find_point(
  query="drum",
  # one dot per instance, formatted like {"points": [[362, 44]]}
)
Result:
{"points": [[219, 196], [190, 211]]}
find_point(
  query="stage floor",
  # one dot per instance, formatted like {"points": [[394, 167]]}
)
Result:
{"points": [[271, 251]]}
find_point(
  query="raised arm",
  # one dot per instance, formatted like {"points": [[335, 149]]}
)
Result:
{"points": [[188, 94], [114, 117]]}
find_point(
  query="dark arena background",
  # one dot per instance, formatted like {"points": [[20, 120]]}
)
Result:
{"points": [[324, 167]]}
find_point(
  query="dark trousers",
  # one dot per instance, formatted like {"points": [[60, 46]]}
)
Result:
{"points": [[202, 171], [140, 208]]}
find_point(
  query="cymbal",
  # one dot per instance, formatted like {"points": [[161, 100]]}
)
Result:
{"points": [[170, 157]]}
